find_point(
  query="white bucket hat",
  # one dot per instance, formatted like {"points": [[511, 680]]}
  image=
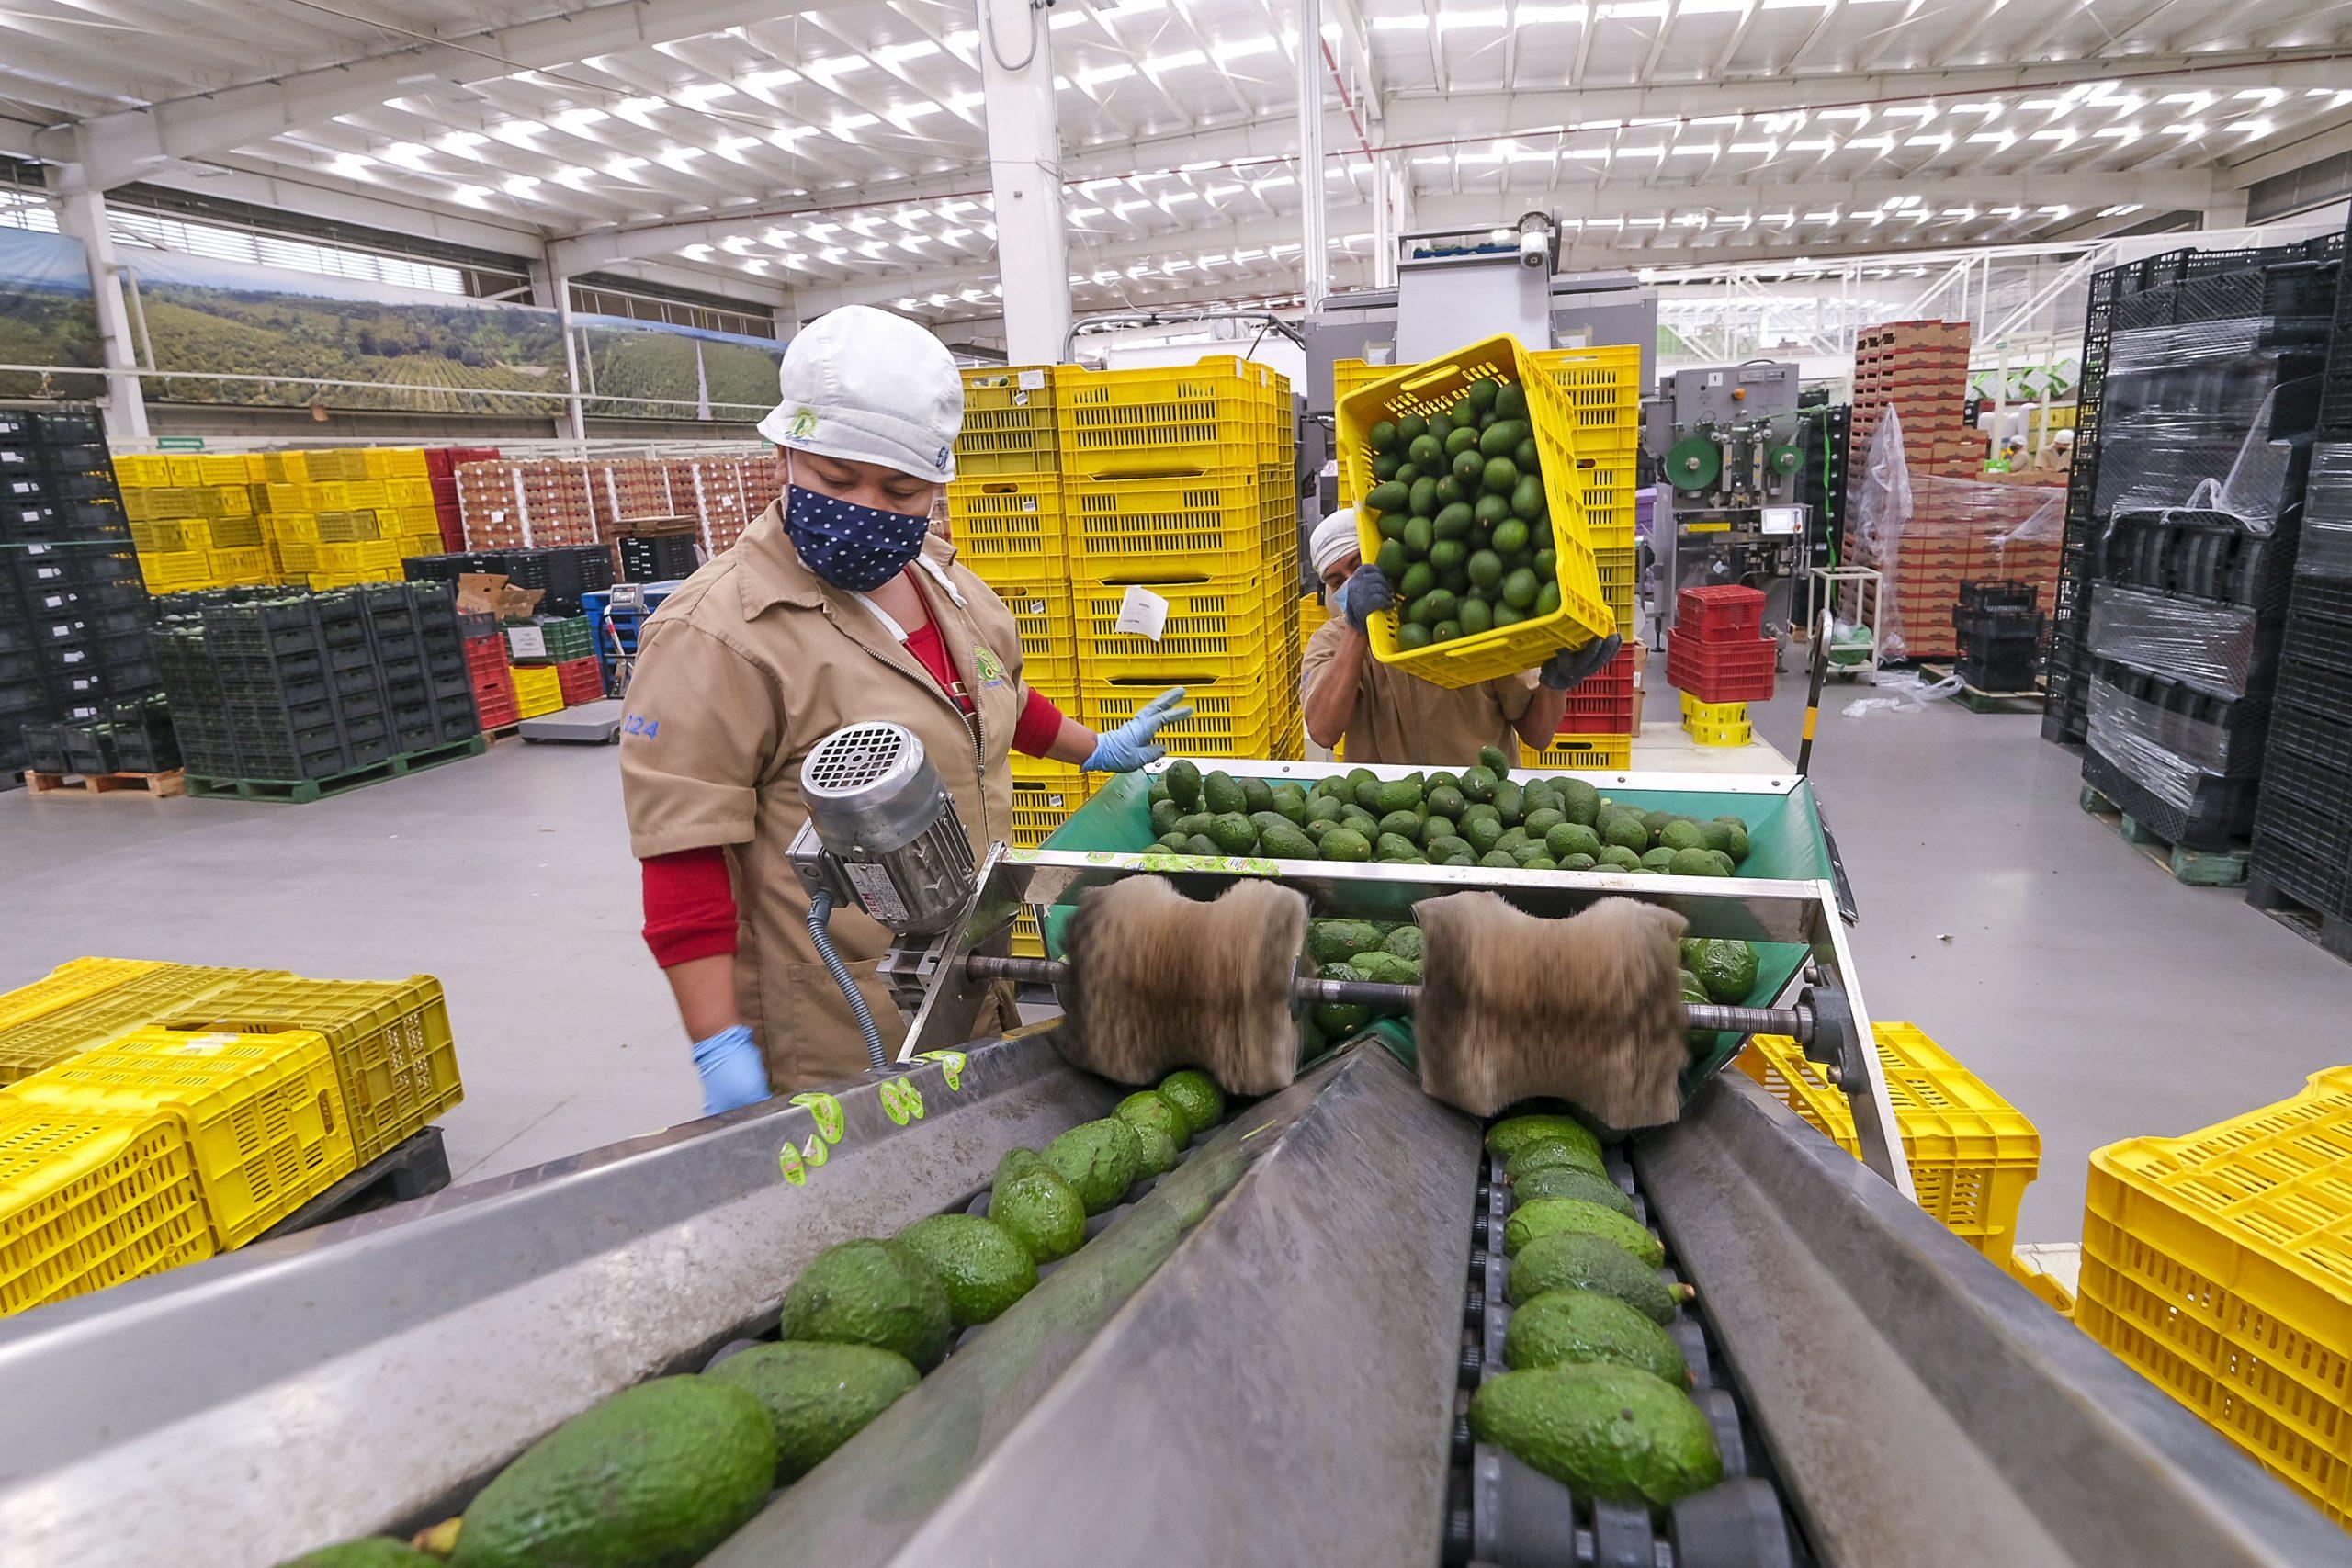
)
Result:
{"points": [[868, 387], [1334, 540]]}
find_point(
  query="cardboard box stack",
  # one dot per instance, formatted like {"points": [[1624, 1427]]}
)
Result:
{"points": [[507, 504]]}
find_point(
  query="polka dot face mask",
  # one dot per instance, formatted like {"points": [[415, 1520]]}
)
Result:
{"points": [[853, 547]]}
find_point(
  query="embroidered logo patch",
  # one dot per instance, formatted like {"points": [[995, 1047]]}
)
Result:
{"points": [[803, 422], [985, 664]]}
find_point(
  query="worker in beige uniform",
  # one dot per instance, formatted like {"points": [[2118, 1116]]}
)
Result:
{"points": [[838, 605], [1386, 715]]}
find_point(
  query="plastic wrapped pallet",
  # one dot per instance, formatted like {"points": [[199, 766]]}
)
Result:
{"points": [[2327, 511], [1927, 533], [2222, 437], [2174, 755], [2217, 648]]}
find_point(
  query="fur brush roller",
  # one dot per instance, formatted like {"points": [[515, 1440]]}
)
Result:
{"points": [[1157, 981], [1586, 1009]]}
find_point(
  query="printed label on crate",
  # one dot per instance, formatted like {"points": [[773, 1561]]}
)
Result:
{"points": [[1030, 381], [204, 1045], [1142, 613], [527, 642]]}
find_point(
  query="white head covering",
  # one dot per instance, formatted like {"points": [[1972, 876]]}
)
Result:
{"points": [[868, 387], [1334, 540]]}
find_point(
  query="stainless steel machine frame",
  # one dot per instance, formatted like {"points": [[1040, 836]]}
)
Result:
{"points": [[1752, 909], [1694, 532]]}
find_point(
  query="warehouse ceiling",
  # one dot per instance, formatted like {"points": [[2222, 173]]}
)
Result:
{"points": [[840, 152]]}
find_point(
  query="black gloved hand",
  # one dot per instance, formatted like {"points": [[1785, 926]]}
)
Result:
{"points": [[1364, 595], [1566, 670]]}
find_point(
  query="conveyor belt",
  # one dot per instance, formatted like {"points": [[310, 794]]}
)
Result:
{"points": [[1503, 1513]]}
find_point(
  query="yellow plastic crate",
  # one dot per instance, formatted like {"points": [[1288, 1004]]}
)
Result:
{"points": [[1604, 390], [1028, 940], [76, 980], [1580, 754], [1971, 1154], [537, 690], [1233, 716], [263, 1112], [231, 568], [141, 469], [149, 997], [404, 463], [1162, 421], [349, 529], [394, 1058], [174, 571], [1312, 614], [1429, 388], [1040, 807], [1214, 625], [1007, 524], [1009, 424], [1221, 524], [87, 1200], [2220, 1265], [1606, 487], [1716, 723]]}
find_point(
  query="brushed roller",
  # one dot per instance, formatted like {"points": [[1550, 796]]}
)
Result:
{"points": [[1512, 1007]]}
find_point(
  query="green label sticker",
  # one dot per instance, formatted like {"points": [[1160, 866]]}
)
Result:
{"points": [[893, 1106], [951, 1068], [828, 1113], [816, 1151], [788, 1159]]}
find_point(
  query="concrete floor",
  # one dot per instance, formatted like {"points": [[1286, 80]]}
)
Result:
{"points": [[2101, 998]]}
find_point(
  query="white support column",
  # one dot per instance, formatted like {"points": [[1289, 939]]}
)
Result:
{"points": [[1025, 177], [81, 213], [550, 283], [1314, 259]]}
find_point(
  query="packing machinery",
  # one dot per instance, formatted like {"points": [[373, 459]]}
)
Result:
{"points": [[1731, 457], [1264, 1355]]}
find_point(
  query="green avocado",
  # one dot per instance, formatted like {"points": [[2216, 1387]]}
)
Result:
{"points": [[375, 1552], [1575, 1260], [1511, 401], [1381, 436], [1482, 394], [817, 1396], [1483, 833], [1579, 801], [1202, 844], [1510, 799], [1412, 427], [1500, 476], [1457, 440], [1100, 1160], [1510, 537], [1195, 1094], [1520, 588], [1234, 833], [1527, 499], [1324, 809], [864, 1293], [1547, 1215], [1041, 1209], [1571, 1181], [1561, 1329], [1571, 838], [1268, 822], [1221, 792], [1658, 860], [1470, 468], [1624, 830], [1544, 1154], [1579, 862], [1682, 834], [1425, 452], [1149, 1107], [1734, 838], [1618, 857], [1337, 941], [1398, 795], [1491, 757], [1500, 439], [1451, 522], [1290, 801], [1286, 843], [1403, 943], [654, 1477], [1700, 862], [1613, 1433], [1396, 848], [1256, 795], [1165, 814], [1338, 1020], [1385, 967], [1726, 968], [1345, 844], [1184, 777], [1424, 502]]}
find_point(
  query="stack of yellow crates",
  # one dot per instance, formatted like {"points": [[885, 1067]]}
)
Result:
{"points": [[340, 516], [316, 519], [158, 1113], [1181, 508], [193, 520], [537, 690], [1005, 511]]}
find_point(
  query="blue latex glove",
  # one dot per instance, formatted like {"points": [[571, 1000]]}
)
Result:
{"points": [[732, 1072], [1566, 670], [1129, 747], [1364, 595]]}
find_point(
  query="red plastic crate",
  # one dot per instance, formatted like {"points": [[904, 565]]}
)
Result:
{"points": [[580, 680], [1719, 672], [1602, 702], [1724, 613]]}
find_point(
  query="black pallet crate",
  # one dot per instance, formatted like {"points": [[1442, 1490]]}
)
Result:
{"points": [[657, 558], [279, 628], [1998, 662], [206, 744], [63, 520], [45, 748], [20, 665], [295, 686], [2319, 647], [74, 425], [143, 753], [50, 564], [285, 746], [2281, 862], [89, 749], [2299, 291], [2290, 776], [1997, 593], [2220, 814]]}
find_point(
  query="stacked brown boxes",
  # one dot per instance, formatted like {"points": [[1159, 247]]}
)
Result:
{"points": [[1963, 524], [525, 504]]}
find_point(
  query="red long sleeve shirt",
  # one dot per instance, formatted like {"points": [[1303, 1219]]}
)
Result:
{"points": [[689, 901]]}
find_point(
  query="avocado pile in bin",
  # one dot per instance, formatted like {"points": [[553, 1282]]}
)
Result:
{"points": [[1465, 531], [1479, 817]]}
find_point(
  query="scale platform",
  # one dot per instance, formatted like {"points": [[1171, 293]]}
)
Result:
{"points": [[590, 723]]}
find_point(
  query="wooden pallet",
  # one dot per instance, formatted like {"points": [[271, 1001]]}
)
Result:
{"points": [[163, 785], [2331, 933], [1977, 700], [2195, 868], [301, 791]]}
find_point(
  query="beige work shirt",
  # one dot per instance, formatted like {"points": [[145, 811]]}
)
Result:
{"points": [[741, 672], [1403, 719]]}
